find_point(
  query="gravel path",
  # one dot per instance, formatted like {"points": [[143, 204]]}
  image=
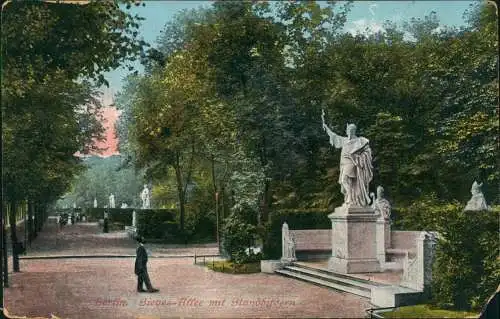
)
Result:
{"points": [[106, 287]]}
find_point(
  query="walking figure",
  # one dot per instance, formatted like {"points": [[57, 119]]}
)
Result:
{"points": [[141, 269]]}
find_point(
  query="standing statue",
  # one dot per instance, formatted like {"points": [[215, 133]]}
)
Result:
{"points": [[356, 170], [145, 197], [477, 202], [291, 248], [111, 201], [95, 202], [380, 204], [287, 244]]}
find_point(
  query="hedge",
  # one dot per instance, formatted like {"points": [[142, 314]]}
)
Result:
{"points": [[296, 219], [157, 224], [467, 267], [115, 215]]}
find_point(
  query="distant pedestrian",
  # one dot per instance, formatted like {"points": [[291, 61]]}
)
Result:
{"points": [[141, 269]]}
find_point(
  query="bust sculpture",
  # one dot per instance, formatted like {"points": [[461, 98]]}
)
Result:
{"points": [[381, 205], [477, 202], [145, 197], [356, 170]]}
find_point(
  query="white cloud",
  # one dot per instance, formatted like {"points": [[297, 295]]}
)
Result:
{"points": [[364, 27]]}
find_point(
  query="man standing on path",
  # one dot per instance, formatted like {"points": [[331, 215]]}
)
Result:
{"points": [[141, 269]]}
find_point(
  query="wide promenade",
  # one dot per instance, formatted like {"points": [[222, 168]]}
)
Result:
{"points": [[105, 287]]}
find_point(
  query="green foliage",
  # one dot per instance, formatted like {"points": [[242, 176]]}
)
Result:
{"points": [[424, 214], [296, 219], [102, 177], [158, 224], [427, 311], [234, 268], [466, 268], [237, 237], [52, 54]]}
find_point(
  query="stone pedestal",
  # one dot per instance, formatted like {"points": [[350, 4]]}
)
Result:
{"points": [[354, 240], [383, 237]]}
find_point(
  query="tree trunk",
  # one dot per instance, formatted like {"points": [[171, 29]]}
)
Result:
{"points": [[265, 203], [29, 226], [5, 270], [180, 190], [13, 236]]}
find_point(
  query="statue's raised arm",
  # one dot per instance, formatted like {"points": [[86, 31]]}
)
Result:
{"points": [[335, 140]]}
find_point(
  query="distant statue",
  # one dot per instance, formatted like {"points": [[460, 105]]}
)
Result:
{"points": [[124, 205], [477, 202], [111, 201], [95, 202], [134, 219], [380, 204], [356, 170], [145, 197]]}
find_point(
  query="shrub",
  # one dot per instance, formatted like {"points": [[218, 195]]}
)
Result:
{"points": [[421, 215], [238, 236], [157, 224], [466, 268], [296, 219]]}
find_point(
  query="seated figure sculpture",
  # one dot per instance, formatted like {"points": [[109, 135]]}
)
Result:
{"points": [[477, 202]]}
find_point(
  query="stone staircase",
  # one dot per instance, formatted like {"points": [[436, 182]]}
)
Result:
{"points": [[380, 294]]}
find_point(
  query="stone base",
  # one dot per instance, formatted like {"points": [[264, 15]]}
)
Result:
{"points": [[270, 266], [288, 260], [353, 266], [354, 240]]}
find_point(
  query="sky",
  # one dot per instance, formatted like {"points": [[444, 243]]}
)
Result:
{"points": [[371, 14], [363, 14]]}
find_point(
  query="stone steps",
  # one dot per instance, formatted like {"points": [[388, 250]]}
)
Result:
{"points": [[380, 294], [328, 279]]}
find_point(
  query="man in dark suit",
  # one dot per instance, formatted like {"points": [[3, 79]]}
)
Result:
{"points": [[141, 269]]}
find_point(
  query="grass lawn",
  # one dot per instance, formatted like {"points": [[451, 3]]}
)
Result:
{"points": [[425, 311], [229, 267]]}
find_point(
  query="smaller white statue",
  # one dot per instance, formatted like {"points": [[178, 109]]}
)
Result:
{"points": [[111, 201], [477, 202], [381, 205], [124, 205], [145, 197], [134, 219], [95, 202], [288, 244], [291, 248]]}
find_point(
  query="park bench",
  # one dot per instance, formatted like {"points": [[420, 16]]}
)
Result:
{"points": [[312, 244]]}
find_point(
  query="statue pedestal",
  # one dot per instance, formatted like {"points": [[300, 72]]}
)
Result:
{"points": [[354, 240]]}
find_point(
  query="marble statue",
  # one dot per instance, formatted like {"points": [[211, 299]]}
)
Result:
{"points": [[477, 202], [134, 219], [356, 170], [287, 244], [291, 247], [111, 201], [145, 197], [95, 202], [124, 205], [380, 204]]}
